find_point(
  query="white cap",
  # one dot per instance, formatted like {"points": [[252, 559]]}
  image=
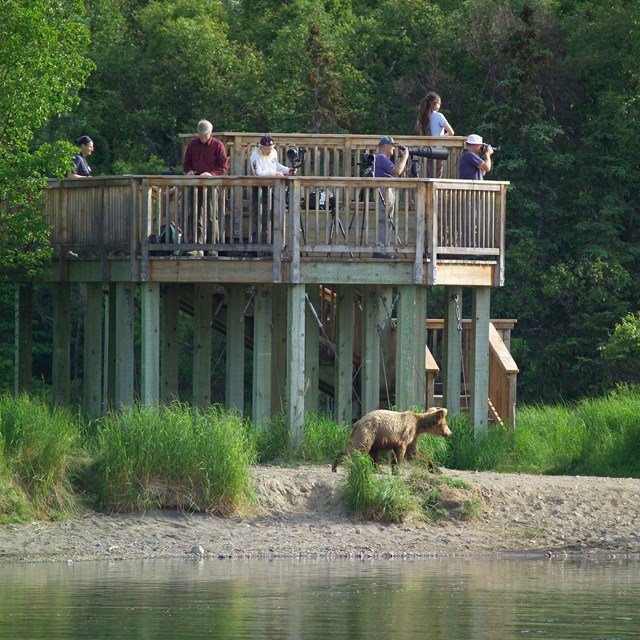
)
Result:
{"points": [[474, 139]]}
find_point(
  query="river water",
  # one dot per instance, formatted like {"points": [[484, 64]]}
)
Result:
{"points": [[436, 598]]}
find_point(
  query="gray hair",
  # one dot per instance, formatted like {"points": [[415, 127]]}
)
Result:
{"points": [[204, 126]]}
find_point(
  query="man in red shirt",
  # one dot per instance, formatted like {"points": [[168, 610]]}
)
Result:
{"points": [[205, 156]]}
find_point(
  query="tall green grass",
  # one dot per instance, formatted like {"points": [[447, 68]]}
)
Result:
{"points": [[595, 436], [37, 446], [172, 457]]}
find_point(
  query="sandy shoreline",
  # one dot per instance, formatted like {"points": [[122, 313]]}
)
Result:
{"points": [[299, 515]]}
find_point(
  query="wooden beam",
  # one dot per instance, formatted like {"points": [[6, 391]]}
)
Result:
{"points": [[93, 338], [343, 385], [169, 342], [23, 339], [452, 349], [262, 356], [150, 343], [312, 349], [370, 364], [295, 364], [408, 349], [479, 397], [124, 345], [202, 306], [234, 393]]}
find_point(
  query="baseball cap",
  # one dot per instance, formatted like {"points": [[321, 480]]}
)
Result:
{"points": [[266, 141], [386, 140], [474, 139]]}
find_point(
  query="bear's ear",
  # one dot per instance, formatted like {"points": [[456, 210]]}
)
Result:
{"points": [[442, 413]]}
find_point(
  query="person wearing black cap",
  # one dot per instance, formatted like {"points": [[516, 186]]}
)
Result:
{"points": [[81, 168], [264, 163], [384, 167], [264, 160]]}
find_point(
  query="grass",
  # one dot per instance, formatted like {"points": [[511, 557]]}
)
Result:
{"points": [[52, 464]]}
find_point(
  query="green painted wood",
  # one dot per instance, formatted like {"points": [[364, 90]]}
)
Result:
{"points": [[407, 349], [370, 364], [420, 339], [124, 345], [296, 304], [452, 349], [23, 356], [169, 342], [150, 343], [479, 394], [61, 381], [343, 386], [92, 355], [262, 356], [234, 394], [109, 360], [279, 346], [202, 332], [312, 350]]}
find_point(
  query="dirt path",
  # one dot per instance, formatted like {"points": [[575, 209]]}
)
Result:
{"points": [[299, 515]]}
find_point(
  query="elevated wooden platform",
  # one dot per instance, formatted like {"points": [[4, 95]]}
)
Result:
{"points": [[273, 245]]}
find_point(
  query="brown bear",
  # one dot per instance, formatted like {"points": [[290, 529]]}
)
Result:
{"points": [[396, 431]]}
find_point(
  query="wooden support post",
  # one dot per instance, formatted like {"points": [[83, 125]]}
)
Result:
{"points": [[169, 342], [452, 349], [109, 375], [124, 323], [343, 384], [407, 350], [312, 350], [150, 339], [280, 331], [479, 410], [370, 369], [234, 393], [295, 363], [262, 356], [420, 377], [23, 373], [61, 380], [93, 327], [202, 304]]}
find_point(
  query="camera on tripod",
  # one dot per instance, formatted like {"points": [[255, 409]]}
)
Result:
{"points": [[295, 156], [367, 163]]}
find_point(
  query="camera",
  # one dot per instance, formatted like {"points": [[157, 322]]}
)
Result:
{"points": [[435, 153], [495, 147], [295, 156], [402, 148], [367, 161]]}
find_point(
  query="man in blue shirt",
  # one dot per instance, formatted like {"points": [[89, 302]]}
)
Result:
{"points": [[384, 167], [471, 166]]}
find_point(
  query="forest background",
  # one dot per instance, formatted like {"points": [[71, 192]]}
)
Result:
{"points": [[555, 82]]}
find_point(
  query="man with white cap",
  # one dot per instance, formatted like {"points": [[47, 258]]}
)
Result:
{"points": [[471, 166], [384, 167]]}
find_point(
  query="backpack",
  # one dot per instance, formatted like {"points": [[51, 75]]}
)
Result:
{"points": [[173, 236]]}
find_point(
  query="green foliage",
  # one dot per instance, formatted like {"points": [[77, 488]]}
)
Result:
{"points": [[171, 457], [622, 349], [36, 451], [42, 47]]}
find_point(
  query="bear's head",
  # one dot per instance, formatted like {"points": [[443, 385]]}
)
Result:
{"points": [[434, 422]]}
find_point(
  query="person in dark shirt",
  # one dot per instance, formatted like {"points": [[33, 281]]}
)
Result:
{"points": [[384, 167], [471, 166], [205, 156], [81, 168]]}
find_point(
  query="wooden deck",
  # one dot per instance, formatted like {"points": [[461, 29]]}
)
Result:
{"points": [[321, 227]]}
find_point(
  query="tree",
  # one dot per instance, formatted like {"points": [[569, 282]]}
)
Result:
{"points": [[42, 47]]}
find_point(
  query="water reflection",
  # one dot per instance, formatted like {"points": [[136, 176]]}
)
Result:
{"points": [[435, 598]]}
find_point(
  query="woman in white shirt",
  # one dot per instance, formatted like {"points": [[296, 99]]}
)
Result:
{"points": [[264, 160], [433, 123]]}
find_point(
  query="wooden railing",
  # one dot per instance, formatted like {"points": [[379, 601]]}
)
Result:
{"points": [[503, 371]]}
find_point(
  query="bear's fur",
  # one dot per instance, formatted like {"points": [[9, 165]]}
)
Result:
{"points": [[396, 431]]}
